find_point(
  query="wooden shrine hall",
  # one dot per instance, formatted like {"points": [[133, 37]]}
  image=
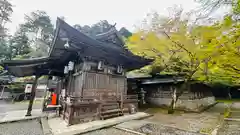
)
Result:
{"points": [[90, 72]]}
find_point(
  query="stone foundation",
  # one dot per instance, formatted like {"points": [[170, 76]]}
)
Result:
{"points": [[196, 105]]}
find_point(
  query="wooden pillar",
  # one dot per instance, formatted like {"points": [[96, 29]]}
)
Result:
{"points": [[58, 90], [71, 113], [45, 94], [69, 84], [33, 92]]}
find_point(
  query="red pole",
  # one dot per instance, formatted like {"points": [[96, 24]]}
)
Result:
{"points": [[54, 99]]}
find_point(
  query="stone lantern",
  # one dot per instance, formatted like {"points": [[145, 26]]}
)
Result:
{"points": [[142, 93]]}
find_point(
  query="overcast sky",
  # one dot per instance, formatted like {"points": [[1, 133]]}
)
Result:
{"points": [[123, 12]]}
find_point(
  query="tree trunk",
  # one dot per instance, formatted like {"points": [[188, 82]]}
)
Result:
{"points": [[174, 100], [32, 96], [2, 91], [229, 94], [45, 94]]}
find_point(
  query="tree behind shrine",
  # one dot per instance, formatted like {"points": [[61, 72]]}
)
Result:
{"points": [[178, 47], [5, 11]]}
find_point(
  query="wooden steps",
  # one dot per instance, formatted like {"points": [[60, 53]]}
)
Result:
{"points": [[110, 110]]}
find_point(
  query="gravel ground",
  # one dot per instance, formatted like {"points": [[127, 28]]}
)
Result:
{"points": [[154, 129], [31, 127], [108, 131], [230, 128], [195, 122]]}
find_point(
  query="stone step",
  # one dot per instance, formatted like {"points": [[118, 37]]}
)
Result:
{"points": [[112, 115], [112, 111], [230, 127], [235, 110], [234, 115], [232, 119], [233, 123]]}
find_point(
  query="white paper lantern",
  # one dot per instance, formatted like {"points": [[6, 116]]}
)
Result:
{"points": [[100, 65], [70, 66], [66, 45], [65, 69], [119, 69]]}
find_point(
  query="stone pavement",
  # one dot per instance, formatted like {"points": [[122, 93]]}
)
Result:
{"points": [[16, 123], [153, 128], [204, 122], [111, 131], [59, 127], [177, 124], [19, 115], [24, 127]]}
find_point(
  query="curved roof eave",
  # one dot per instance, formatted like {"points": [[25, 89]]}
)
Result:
{"points": [[80, 38], [25, 61]]}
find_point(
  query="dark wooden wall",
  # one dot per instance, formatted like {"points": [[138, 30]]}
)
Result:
{"points": [[96, 94], [104, 85], [88, 81]]}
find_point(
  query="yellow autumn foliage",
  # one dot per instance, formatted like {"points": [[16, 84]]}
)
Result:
{"points": [[203, 52]]}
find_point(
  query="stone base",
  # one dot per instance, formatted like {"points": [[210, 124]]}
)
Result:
{"points": [[59, 127], [196, 105]]}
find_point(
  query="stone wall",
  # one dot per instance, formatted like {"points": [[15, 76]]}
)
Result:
{"points": [[196, 99], [195, 105]]}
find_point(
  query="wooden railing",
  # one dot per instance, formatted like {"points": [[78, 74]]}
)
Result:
{"points": [[84, 99]]}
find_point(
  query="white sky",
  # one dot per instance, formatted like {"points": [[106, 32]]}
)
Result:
{"points": [[124, 12]]}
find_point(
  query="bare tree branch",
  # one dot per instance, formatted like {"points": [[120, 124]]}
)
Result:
{"points": [[179, 45]]}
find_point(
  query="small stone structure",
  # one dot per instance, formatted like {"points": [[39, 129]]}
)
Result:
{"points": [[193, 105], [195, 100], [159, 92]]}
